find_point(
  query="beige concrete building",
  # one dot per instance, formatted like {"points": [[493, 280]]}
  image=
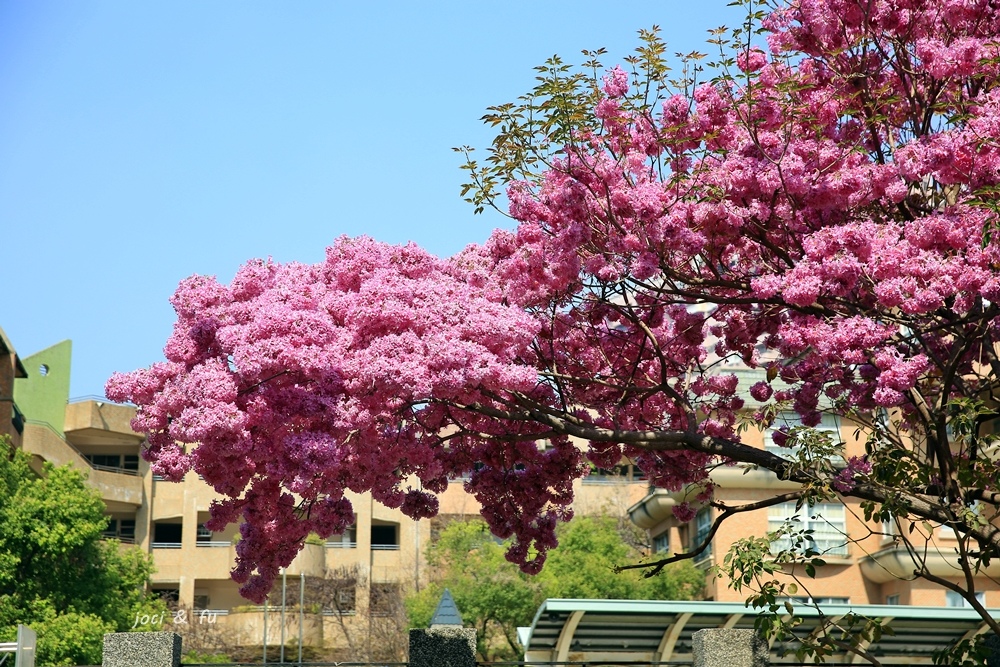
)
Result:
{"points": [[371, 564], [865, 564], [382, 555]]}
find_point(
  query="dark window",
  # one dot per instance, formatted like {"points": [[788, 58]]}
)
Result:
{"points": [[109, 460], [126, 530], [345, 599], [168, 595], [130, 462], [385, 599], [384, 536], [122, 529], [167, 532]]}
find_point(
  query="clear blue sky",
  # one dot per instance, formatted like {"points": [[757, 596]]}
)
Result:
{"points": [[142, 142]]}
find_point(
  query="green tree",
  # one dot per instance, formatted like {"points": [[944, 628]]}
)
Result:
{"points": [[496, 597], [56, 573]]}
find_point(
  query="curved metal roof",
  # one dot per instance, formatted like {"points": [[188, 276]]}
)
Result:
{"points": [[661, 631]]}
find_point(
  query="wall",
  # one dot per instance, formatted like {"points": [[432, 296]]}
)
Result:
{"points": [[43, 398]]}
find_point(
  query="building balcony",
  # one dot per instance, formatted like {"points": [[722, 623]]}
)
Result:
{"points": [[311, 561], [174, 562], [248, 625], [387, 559], [94, 415], [894, 563], [114, 485], [657, 505]]}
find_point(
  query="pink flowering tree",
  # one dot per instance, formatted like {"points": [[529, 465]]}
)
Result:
{"points": [[823, 210]]}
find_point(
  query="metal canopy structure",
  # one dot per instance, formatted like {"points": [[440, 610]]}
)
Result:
{"points": [[653, 631]]}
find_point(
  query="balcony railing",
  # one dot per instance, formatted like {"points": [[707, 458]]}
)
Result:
{"points": [[385, 547], [166, 545], [341, 545], [609, 479], [213, 543], [116, 469]]}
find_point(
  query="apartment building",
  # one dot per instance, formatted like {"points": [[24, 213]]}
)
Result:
{"points": [[865, 565], [11, 368], [371, 564]]}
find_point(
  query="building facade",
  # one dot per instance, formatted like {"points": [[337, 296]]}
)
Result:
{"points": [[865, 563], [345, 580]]}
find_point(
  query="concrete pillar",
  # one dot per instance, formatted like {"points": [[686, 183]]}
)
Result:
{"points": [[718, 647], [443, 646], [142, 649]]}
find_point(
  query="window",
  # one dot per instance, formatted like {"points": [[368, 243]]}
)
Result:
{"points": [[107, 460], [948, 531], [467, 475], [168, 595], [120, 529], [613, 475], [890, 530], [953, 599], [334, 594], [385, 537], [114, 462], [892, 599], [346, 540], [828, 424], [661, 543], [166, 536], [204, 534], [347, 599], [827, 521], [201, 602], [702, 527], [384, 599], [126, 530], [813, 601]]}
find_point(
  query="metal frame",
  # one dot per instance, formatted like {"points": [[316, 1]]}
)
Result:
{"points": [[661, 631]]}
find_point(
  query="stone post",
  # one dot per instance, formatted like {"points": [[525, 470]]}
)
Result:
{"points": [[443, 646], [717, 647], [142, 649]]}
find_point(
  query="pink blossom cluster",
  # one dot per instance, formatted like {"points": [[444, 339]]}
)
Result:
{"points": [[856, 468], [821, 215], [295, 384]]}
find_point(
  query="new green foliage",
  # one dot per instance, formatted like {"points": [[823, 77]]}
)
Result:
{"points": [[493, 595], [56, 573]]}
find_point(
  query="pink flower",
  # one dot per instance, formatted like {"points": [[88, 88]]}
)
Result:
{"points": [[683, 512], [857, 467], [761, 391], [752, 60], [616, 82], [782, 221]]}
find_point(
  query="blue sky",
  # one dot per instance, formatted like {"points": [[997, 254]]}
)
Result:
{"points": [[142, 142]]}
